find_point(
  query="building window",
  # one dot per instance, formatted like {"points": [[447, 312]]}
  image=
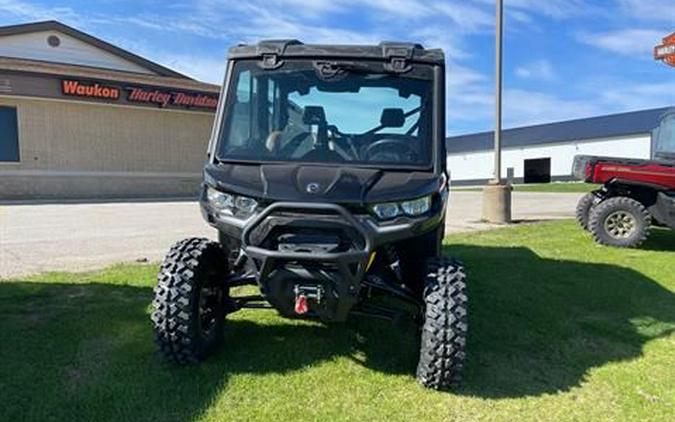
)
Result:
{"points": [[9, 135], [53, 41]]}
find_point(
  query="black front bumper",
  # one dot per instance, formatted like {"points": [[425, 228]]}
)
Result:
{"points": [[338, 273], [279, 272]]}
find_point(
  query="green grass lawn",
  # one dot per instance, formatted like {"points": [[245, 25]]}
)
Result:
{"points": [[556, 187], [560, 329]]}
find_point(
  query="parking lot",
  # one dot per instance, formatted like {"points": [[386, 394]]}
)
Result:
{"points": [[80, 236]]}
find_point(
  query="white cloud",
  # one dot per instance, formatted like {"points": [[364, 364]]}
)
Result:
{"points": [[202, 68], [557, 9], [261, 22], [538, 69], [27, 11], [207, 68], [312, 7], [627, 42], [407, 9], [468, 17], [650, 10], [528, 107], [640, 96], [525, 107]]}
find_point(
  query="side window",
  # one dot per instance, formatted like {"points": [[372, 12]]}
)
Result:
{"points": [[9, 135], [272, 105], [240, 126], [665, 135], [255, 110]]}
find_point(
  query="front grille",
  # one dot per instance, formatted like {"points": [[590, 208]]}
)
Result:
{"points": [[303, 232]]}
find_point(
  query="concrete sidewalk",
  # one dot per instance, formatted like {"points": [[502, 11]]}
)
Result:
{"points": [[74, 237]]}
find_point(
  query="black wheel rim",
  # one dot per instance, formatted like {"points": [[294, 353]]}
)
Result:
{"points": [[209, 300]]}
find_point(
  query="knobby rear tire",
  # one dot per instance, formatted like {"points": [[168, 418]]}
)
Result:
{"points": [[603, 210], [583, 210]]}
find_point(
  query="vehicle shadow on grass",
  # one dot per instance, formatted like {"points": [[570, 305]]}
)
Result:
{"points": [[660, 239], [539, 325], [85, 352]]}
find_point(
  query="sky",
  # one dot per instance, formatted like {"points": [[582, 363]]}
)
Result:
{"points": [[563, 59]]}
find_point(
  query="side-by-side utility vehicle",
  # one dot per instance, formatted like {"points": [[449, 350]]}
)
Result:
{"points": [[327, 184], [635, 193]]}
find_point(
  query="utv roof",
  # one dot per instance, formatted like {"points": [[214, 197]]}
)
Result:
{"points": [[382, 51]]}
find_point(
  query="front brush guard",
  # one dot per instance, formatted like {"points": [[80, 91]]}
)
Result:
{"points": [[351, 264]]}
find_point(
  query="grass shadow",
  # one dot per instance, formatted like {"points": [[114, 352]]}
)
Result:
{"points": [[85, 352], [660, 239], [537, 326]]}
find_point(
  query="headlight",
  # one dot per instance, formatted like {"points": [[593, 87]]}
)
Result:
{"points": [[245, 204], [231, 205], [412, 208], [416, 206], [386, 211], [220, 200]]}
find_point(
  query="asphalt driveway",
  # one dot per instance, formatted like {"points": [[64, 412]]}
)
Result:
{"points": [[51, 237]]}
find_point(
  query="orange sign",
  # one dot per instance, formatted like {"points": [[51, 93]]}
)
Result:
{"points": [[91, 90], [145, 95], [666, 51]]}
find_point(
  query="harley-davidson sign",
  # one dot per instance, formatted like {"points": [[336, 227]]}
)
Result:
{"points": [[164, 98], [136, 94], [666, 51]]}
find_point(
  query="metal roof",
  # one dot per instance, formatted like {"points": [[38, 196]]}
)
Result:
{"points": [[82, 36], [612, 125], [297, 49]]}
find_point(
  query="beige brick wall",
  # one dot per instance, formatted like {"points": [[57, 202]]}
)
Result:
{"points": [[71, 149]]}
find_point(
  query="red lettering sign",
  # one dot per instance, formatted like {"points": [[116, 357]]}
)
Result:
{"points": [[90, 90], [143, 95], [140, 95], [176, 98]]}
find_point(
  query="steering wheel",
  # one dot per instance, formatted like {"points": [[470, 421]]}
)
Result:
{"points": [[293, 144], [387, 146]]}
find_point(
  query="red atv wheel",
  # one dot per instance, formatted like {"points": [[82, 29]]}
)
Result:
{"points": [[620, 221]]}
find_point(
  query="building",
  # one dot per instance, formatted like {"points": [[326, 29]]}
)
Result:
{"points": [[82, 118], [543, 153]]}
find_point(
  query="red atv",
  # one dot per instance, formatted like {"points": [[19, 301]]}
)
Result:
{"points": [[635, 193]]}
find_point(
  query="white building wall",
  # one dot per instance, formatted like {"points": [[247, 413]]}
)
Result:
{"points": [[479, 165], [33, 46]]}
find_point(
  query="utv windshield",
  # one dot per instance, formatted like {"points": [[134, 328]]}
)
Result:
{"points": [[321, 112], [664, 137]]}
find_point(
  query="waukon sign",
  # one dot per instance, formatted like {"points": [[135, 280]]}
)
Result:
{"points": [[164, 98]]}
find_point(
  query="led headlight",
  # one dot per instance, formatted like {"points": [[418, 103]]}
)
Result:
{"points": [[245, 204], [387, 210], [231, 205], [412, 208], [219, 200], [416, 206]]}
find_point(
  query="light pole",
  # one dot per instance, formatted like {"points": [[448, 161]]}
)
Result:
{"points": [[498, 92], [497, 194]]}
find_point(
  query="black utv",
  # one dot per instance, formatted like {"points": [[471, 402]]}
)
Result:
{"points": [[327, 184]]}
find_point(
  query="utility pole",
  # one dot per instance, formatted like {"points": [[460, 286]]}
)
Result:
{"points": [[497, 194], [498, 92]]}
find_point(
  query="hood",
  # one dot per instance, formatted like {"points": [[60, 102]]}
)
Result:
{"points": [[316, 183]]}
